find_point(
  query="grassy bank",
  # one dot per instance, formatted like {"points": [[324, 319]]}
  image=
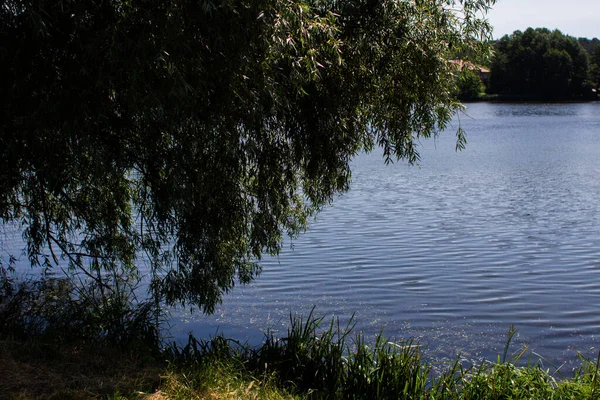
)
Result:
{"points": [[220, 370], [36, 370], [41, 357]]}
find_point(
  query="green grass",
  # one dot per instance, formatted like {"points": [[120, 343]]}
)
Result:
{"points": [[330, 363]]}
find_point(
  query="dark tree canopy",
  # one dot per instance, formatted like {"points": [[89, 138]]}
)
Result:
{"points": [[595, 66], [589, 45], [539, 63], [469, 83], [192, 135]]}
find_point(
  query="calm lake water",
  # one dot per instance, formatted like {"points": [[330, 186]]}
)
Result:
{"points": [[455, 250]]}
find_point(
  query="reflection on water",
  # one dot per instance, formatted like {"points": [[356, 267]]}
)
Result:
{"points": [[454, 250], [541, 110]]}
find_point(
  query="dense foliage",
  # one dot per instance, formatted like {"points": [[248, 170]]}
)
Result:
{"points": [[191, 136], [470, 85], [595, 65], [590, 45], [542, 64]]}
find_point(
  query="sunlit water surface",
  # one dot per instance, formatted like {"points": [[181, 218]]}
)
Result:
{"points": [[452, 251]]}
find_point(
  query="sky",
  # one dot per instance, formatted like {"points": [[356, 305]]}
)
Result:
{"points": [[578, 18]]}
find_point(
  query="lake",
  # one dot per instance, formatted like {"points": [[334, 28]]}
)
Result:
{"points": [[455, 250]]}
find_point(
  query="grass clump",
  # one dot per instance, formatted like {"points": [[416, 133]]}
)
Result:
{"points": [[509, 381], [320, 363], [506, 379], [585, 384], [219, 379]]}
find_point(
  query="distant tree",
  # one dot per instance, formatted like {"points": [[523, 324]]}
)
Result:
{"points": [[595, 67], [469, 84], [592, 47], [595, 57], [540, 63], [557, 72], [589, 44], [191, 136]]}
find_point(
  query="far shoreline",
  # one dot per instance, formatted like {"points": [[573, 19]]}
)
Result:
{"points": [[525, 99]]}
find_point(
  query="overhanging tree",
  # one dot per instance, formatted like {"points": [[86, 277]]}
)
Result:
{"points": [[193, 135]]}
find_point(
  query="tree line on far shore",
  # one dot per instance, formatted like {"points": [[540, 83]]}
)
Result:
{"points": [[537, 64]]}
